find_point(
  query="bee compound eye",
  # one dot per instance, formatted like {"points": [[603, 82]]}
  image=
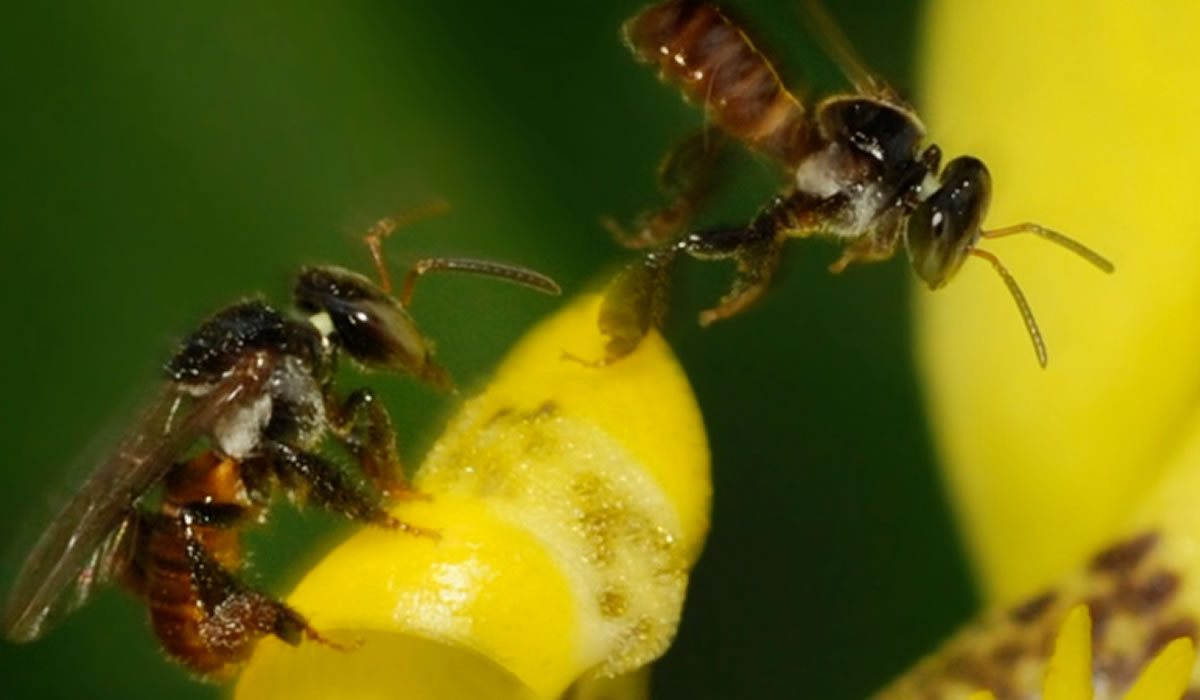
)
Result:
{"points": [[937, 223]]}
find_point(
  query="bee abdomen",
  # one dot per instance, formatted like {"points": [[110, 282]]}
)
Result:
{"points": [[176, 612], [716, 65], [185, 563]]}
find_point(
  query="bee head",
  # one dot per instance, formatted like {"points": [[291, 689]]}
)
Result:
{"points": [[367, 323], [947, 225]]}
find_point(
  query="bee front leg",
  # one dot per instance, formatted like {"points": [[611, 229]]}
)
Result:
{"points": [[869, 249], [323, 483], [363, 425]]}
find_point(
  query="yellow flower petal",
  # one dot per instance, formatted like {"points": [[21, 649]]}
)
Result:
{"points": [[630, 686], [1069, 673], [1084, 110], [1167, 675], [1077, 484], [571, 502]]}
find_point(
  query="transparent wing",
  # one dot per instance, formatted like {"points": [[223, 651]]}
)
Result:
{"points": [[86, 543], [837, 45]]}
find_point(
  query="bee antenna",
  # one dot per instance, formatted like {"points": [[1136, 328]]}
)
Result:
{"points": [[1039, 346], [383, 228], [510, 273], [1054, 236]]}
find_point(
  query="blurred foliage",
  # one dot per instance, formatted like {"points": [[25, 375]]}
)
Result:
{"points": [[161, 160]]}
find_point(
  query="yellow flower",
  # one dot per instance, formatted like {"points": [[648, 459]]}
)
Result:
{"points": [[1069, 671], [1076, 486], [571, 503], [1084, 110]]}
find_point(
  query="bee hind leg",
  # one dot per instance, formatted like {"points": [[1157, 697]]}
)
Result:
{"points": [[634, 302], [232, 614], [688, 175]]}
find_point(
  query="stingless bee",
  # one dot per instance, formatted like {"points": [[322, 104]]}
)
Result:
{"points": [[857, 172], [248, 399]]}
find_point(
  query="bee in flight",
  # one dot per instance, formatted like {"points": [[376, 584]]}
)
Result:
{"points": [[249, 398], [856, 166]]}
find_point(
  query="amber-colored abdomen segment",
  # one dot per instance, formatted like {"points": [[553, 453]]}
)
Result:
{"points": [[175, 611], [716, 65], [182, 625]]}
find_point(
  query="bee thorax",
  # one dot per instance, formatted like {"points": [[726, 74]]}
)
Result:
{"points": [[298, 413]]}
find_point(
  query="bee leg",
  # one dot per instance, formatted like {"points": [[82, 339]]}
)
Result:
{"points": [[635, 301], [234, 615], [363, 425], [688, 175], [325, 484], [754, 248], [866, 250], [755, 268]]}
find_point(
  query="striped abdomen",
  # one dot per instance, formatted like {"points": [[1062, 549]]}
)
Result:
{"points": [[699, 49], [175, 580]]}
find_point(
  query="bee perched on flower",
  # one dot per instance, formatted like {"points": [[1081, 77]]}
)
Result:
{"points": [[1073, 487], [1076, 487]]}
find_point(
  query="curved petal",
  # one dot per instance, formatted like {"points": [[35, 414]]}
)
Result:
{"points": [[1069, 672], [1084, 110], [571, 503]]}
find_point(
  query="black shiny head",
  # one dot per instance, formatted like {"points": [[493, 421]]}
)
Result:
{"points": [[883, 131], [946, 226], [368, 323]]}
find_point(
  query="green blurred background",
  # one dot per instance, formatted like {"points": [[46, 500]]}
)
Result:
{"points": [[162, 159]]}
